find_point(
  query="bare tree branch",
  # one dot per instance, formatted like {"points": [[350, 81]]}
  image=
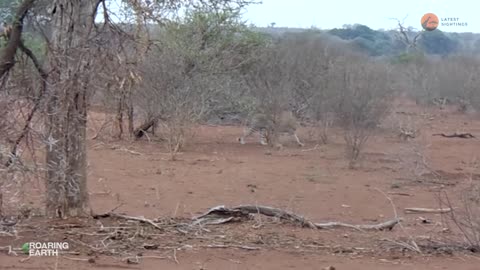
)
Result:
{"points": [[43, 76], [7, 60]]}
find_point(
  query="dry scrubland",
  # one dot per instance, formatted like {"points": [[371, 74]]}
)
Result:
{"points": [[315, 181], [121, 136]]}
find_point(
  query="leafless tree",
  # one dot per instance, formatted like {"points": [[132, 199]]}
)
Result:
{"points": [[75, 61], [271, 81], [364, 96], [407, 36], [313, 57], [171, 97], [464, 215], [457, 81], [418, 76], [439, 81], [189, 73]]}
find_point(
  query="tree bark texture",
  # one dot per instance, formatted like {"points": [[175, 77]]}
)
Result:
{"points": [[70, 58]]}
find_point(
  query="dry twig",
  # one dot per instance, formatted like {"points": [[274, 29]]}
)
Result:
{"points": [[427, 210], [232, 246], [140, 219], [456, 135]]}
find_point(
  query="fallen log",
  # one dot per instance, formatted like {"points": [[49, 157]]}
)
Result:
{"points": [[456, 135], [221, 214], [141, 130]]}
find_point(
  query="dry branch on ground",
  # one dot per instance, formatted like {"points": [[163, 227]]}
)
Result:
{"points": [[140, 219], [222, 214], [427, 210], [456, 135]]}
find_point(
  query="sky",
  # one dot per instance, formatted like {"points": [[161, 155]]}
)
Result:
{"points": [[375, 14]]}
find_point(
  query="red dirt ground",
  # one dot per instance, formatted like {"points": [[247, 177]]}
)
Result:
{"points": [[314, 182]]}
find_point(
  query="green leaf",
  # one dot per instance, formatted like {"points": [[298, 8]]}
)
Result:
{"points": [[26, 248]]}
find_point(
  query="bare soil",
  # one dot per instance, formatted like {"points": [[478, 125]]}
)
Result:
{"points": [[313, 181]]}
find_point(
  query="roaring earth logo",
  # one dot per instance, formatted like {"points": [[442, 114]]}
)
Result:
{"points": [[430, 22], [44, 249]]}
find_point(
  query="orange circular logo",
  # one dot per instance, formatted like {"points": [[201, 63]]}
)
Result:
{"points": [[429, 21]]}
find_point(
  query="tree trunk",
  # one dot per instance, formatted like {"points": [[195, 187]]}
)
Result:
{"points": [[129, 108], [70, 57], [131, 127], [120, 109]]}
